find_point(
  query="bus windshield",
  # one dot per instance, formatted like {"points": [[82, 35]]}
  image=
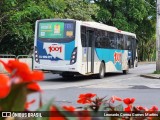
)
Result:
{"points": [[56, 30]]}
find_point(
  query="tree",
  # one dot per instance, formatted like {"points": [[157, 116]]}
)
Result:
{"points": [[80, 10], [137, 16], [17, 21], [18, 17]]}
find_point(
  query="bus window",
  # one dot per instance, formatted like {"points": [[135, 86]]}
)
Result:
{"points": [[125, 37], [98, 39], [112, 39], [90, 34], [99, 42], [83, 36], [120, 42], [129, 43], [103, 42]]}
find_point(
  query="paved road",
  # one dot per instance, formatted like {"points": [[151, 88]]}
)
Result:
{"points": [[114, 80], [145, 90]]}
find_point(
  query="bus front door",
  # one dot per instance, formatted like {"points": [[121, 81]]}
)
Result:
{"points": [[90, 51]]}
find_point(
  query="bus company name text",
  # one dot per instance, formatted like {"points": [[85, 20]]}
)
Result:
{"points": [[55, 48], [22, 114], [117, 57]]}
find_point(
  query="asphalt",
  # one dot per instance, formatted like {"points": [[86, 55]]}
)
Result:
{"points": [[148, 75]]}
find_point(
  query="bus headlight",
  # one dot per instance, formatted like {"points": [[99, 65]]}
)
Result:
{"points": [[74, 56]]}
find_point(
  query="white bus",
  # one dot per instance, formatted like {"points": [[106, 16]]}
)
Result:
{"points": [[69, 47]]}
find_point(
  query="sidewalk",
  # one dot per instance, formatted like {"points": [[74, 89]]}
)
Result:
{"points": [[150, 75], [144, 62]]}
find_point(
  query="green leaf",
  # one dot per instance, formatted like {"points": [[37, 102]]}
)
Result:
{"points": [[68, 115], [102, 107], [16, 99], [118, 108], [44, 108]]}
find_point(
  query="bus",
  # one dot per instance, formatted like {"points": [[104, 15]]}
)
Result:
{"points": [[69, 47]]}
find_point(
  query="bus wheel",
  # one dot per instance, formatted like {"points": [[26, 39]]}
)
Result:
{"points": [[125, 71], [101, 71], [67, 75], [129, 63]]}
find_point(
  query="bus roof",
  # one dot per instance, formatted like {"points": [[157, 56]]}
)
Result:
{"points": [[99, 26], [96, 25], [106, 27]]}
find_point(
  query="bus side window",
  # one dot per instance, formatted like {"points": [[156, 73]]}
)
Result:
{"points": [[120, 42], [90, 35], [112, 39], [98, 39], [129, 44], [125, 37], [102, 40], [107, 42], [83, 36]]}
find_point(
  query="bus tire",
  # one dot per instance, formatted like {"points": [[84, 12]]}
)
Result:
{"points": [[129, 63], [125, 71], [67, 75], [101, 71], [136, 63]]}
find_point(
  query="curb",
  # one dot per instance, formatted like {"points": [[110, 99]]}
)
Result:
{"points": [[141, 63], [153, 76]]}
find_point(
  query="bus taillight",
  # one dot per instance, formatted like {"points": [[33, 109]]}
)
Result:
{"points": [[74, 56], [36, 56]]}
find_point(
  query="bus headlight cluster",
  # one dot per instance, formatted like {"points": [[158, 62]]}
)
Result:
{"points": [[74, 56], [36, 55]]}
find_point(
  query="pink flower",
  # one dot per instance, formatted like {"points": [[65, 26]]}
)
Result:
{"points": [[153, 109], [113, 98], [140, 108]]}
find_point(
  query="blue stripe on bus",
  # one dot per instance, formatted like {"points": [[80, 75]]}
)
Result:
{"points": [[41, 51], [108, 55], [68, 50]]}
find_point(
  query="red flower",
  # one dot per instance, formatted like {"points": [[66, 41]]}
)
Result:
{"points": [[85, 98], [113, 98], [55, 114], [27, 104], [140, 108], [129, 101], [34, 86], [21, 70], [128, 109], [69, 108], [153, 109], [4, 85]]}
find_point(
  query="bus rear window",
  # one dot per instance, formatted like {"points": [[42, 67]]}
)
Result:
{"points": [[54, 30]]}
